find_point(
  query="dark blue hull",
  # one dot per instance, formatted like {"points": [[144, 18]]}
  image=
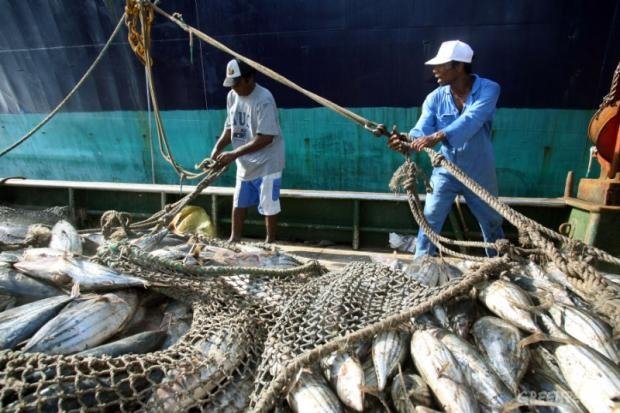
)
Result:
{"points": [[362, 53]]}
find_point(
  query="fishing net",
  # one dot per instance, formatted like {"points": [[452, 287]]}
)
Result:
{"points": [[255, 328], [252, 328]]}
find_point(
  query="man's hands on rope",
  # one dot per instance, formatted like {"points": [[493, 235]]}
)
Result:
{"points": [[223, 158], [400, 142]]}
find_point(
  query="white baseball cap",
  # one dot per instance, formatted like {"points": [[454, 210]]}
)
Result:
{"points": [[452, 50], [233, 72]]}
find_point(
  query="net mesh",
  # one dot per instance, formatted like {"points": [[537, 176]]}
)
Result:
{"points": [[250, 327]]}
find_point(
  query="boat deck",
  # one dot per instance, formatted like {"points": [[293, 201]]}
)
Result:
{"points": [[334, 257]]}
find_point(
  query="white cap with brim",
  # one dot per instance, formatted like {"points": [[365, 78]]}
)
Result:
{"points": [[453, 50], [233, 73]]}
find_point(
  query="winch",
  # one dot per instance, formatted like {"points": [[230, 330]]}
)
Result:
{"points": [[597, 204]]}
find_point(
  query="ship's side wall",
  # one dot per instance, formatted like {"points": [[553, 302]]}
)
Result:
{"points": [[534, 148], [553, 59]]}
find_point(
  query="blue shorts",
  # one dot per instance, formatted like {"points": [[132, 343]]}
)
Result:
{"points": [[263, 191]]}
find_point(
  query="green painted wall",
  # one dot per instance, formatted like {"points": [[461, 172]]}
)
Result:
{"points": [[535, 148]]}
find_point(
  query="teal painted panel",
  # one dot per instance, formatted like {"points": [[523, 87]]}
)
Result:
{"points": [[535, 148]]}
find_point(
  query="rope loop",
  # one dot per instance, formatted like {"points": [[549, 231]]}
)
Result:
{"points": [[504, 247]]}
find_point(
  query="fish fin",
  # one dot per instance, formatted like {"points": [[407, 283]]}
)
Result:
{"points": [[75, 290], [538, 337], [515, 404], [401, 379], [533, 339], [546, 302]]}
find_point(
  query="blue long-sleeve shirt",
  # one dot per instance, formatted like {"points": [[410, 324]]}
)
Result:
{"points": [[468, 133]]}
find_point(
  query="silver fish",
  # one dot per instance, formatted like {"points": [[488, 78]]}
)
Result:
{"points": [[34, 254], [592, 377], [539, 386], [499, 342], [542, 361], [237, 398], [389, 349], [440, 371], [176, 321], [370, 376], [9, 257], [533, 279], [362, 349], [18, 284], [145, 318], [586, 328], [346, 374], [19, 323], [186, 385], [614, 279], [461, 313], [66, 238], [140, 343], [6, 302], [432, 271], [262, 288], [63, 272], [149, 242], [488, 388], [509, 302], [278, 260], [414, 392], [311, 394], [85, 324]]}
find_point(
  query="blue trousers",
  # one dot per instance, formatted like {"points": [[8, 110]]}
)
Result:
{"points": [[438, 205]]}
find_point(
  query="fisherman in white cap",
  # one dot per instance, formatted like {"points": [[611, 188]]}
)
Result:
{"points": [[253, 128], [458, 115]]}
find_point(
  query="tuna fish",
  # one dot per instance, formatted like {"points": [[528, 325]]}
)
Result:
{"points": [[415, 392], [499, 342], [19, 323], [592, 377], [534, 280], [236, 399], [440, 371], [66, 238], [85, 324], [389, 349], [346, 375], [509, 302], [432, 271], [149, 242], [6, 302], [489, 390], [586, 328], [370, 376], [311, 394], [539, 386], [461, 315], [186, 385], [140, 343], [18, 284], [63, 272], [176, 321]]}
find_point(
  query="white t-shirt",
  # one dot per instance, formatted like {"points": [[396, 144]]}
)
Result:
{"points": [[248, 116]]}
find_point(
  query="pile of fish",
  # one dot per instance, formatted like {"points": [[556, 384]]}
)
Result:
{"points": [[521, 341], [55, 300]]}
